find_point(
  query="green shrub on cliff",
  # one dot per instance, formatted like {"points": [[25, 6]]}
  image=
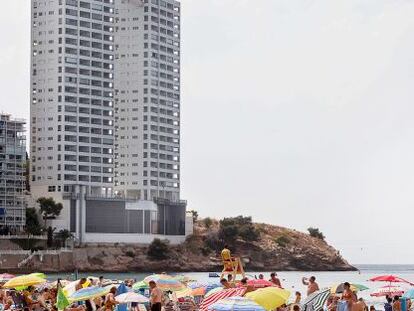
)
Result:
{"points": [[282, 241], [233, 228], [158, 249], [207, 222], [314, 232]]}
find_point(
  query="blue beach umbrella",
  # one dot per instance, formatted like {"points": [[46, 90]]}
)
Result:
{"points": [[409, 294], [122, 289], [89, 293], [235, 304]]}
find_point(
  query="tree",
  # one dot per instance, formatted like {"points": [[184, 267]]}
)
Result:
{"points": [[50, 232], [207, 222], [33, 226], [158, 249], [63, 235], [49, 208], [314, 232], [195, 215]]}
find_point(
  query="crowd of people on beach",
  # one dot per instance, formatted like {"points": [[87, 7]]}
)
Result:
{"points": [[40, 298]]}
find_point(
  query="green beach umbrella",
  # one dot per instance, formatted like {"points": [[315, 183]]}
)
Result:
{"points": [[62, 302]]}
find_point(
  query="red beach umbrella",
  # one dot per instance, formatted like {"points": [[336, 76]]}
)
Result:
{"points": [[388, 290], [390, 278], [225, 293], [259, 283]]}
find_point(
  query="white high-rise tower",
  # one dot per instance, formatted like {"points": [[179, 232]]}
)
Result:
{"points": [[72, 77], [147, 99]]}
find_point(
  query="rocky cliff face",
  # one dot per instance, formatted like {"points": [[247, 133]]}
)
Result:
{"points": [[277, 248]]}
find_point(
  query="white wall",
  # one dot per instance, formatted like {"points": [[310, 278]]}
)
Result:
{"points": [[130, 238]]}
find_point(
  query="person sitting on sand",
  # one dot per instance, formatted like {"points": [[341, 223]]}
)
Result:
{"points": [[275, 280], [396, 306], [230, 278], [388, 304], [80, 284], [312, 285], [359, 305], [348, 295], [225, 283], [74, 307], [248, 287], [298, 297]]}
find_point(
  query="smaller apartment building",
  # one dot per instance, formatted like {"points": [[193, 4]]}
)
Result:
{"points": [[12, 172], [95, 219]]}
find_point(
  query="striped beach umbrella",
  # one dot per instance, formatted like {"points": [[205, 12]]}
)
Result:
{"points": [[316, 300], [165, 282], [89, 293], [235, 304], [213, 291], [224, 293]]}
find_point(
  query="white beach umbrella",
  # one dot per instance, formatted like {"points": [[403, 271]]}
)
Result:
{"points": [[131, 297]]}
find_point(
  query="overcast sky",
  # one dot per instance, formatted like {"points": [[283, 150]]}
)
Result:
{"points": [[296, 112]]}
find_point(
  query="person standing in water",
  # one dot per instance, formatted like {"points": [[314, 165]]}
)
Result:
{"points": [[275, 280], [311, 284]]}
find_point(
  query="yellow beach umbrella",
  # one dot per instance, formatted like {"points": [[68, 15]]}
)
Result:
{"points": [[186, 292], [269, 298], [23, 281]]}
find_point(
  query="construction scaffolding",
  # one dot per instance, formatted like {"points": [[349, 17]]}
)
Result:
{"points": [[12, 173]]}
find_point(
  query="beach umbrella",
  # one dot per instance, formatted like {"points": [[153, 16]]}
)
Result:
{"points": [[389, 278], [131, 297], [61, 301], [23, 281], [165, 282], [183, 278], [4, 277], [122, 289], [186, 292], [70, 288], [316, 300], [258, 283], [409, 294], [139, 286], [213, 291], [269, 298], [38, 274], [201, 291], [235, 304], [89, 293], [339, 288], [388, 290], [224, 293]]}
